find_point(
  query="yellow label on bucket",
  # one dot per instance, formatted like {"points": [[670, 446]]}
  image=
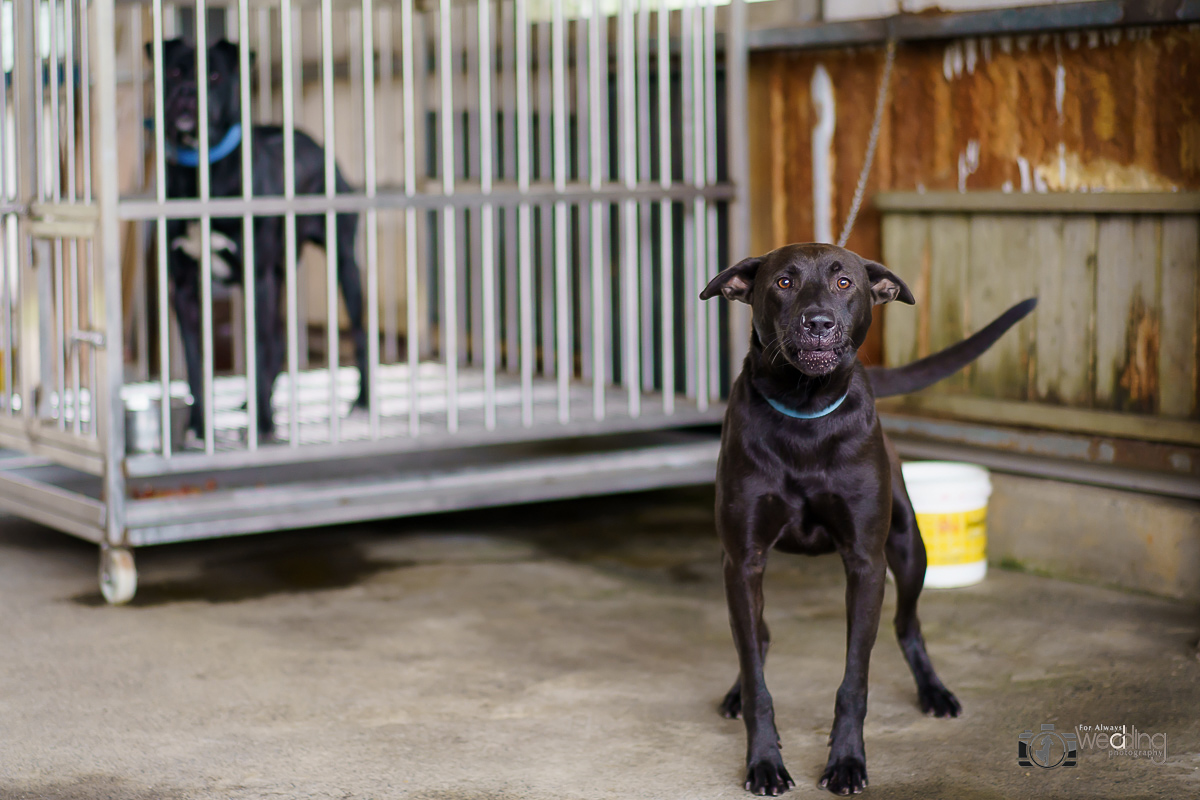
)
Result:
{"points": [[956, 538]]}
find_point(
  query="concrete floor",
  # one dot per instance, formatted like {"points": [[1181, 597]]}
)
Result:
{"points": [[570, 650]]}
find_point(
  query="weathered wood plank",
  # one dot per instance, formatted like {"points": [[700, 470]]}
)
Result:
{"points": [[1038, 202], [1177, 355], [1005, 255], [1040, 415], [905, 252], [1127, 313], [949, 240], [1066, 305]]}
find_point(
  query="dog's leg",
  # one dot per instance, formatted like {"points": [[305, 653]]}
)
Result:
{"points": [[270, 344], [906, 556], [351, 281], [731, 706], [186, 300], [846, 770], [765, 773]]}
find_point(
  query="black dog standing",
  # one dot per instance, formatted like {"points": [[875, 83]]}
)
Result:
{"points": [[805, 468], [225, 175]]}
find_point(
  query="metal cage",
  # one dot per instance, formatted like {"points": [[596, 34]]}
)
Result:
{"points": [[540, 188]]}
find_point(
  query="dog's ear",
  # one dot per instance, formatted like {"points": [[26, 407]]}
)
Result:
{"points": [[736, 282], [886, 286], [232, 51], [168, 46]]}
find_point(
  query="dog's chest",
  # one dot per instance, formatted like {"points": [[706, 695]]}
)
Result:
{"points": [[225, 251]]}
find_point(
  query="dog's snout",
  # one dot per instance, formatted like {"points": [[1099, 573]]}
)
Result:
{"points": [[817, 323]]}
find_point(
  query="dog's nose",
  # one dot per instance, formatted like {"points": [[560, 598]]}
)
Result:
{"points": [[817, 323]]}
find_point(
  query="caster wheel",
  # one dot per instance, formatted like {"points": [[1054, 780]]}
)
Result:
{"points": [[118, 575]]}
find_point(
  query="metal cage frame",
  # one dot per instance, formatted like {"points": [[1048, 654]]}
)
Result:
{"points": [[548, 236]]}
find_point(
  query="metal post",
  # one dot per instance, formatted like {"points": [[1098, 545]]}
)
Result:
{"points": [[204, 179], [630, 335], [449, 254], [287, 45], [699, 210], [562, 285], [687, 139], [487, 234], [524, 256], [710, 173], [737, 144], [249, 257], [7, 262], [645, 212], [72, 321], [508, 164], [162, 279], [545, 171], [27, 112], [666, 228], [110, 408], [85, 85], [54, 153], [582, 159], [597, 92]]}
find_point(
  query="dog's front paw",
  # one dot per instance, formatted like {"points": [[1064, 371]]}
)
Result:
{"points": [[938, 701], [768, 777], [846, 775]]}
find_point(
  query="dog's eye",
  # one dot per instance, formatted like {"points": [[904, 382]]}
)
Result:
{"points": [[784, 283], [214, 77], [844, 282], [174, 72]]}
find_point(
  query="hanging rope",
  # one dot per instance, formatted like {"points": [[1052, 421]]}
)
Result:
{"points": [[880, 100]]}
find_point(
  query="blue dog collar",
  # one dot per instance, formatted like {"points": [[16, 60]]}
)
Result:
{"points": [[187, 157], [788, 412]]}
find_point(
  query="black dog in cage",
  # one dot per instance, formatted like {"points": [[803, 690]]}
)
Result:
{"points": [[226, 147]]}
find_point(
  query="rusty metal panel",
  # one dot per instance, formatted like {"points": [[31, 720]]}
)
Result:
{"points": [[1105, 110]]}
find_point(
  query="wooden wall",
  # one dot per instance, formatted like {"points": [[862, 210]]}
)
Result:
{"points": [[1114, 110], [1115, 331]]}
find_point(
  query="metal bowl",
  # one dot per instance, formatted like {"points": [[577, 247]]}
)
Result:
{"points": [[143, 423]]}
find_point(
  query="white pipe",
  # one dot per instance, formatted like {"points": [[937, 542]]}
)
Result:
{"points": [[822, 140]]}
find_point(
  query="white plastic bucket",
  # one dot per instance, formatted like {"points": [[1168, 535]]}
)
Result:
{"points": [[950, 500]]}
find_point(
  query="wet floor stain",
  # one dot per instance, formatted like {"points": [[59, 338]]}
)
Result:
{"points": [[256, 575]]}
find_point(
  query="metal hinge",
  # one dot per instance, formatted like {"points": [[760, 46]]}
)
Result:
{"points": [[94, 338]]}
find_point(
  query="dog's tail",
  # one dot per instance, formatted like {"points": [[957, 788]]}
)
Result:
{"points": [[889, 381]]}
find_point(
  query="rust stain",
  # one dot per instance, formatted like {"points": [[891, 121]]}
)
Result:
{"points": [[1145, 103], [1189, 147], [779, 193], [1104, 111], [1068, 173], [1137, 379]]}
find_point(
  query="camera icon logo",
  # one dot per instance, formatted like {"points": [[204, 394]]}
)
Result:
{"points": [[1047, 748]]}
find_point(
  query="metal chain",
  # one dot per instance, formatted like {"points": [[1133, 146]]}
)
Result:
{"points": [[880, 100]]}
